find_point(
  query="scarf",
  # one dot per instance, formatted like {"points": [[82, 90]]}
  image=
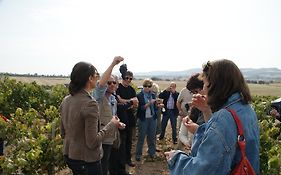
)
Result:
{"points": [[147, 98]]}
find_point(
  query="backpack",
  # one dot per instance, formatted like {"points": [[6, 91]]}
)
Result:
{"points": [[244, 166]]}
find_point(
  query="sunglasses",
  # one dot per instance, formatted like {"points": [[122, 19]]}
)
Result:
{"points": [[111, 82], [128, 78], [149, 86]]}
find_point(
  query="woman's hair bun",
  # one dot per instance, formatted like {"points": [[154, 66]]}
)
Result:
{"points": [[123, 70]]}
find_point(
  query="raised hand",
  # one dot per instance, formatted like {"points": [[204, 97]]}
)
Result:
{"points": [[117, 60]]}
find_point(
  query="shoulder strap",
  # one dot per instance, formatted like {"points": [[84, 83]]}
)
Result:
{"points": [[240, 139]]}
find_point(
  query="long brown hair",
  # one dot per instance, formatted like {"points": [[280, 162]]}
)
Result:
{"points": [[225, 79]]}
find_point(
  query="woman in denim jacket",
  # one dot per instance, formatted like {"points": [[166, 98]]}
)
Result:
{"points": [[215, 150]]}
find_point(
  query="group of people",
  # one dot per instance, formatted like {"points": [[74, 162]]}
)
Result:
{"points": [[98, 123], [96, 120]]}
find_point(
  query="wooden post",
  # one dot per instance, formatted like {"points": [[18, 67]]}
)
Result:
{"points": [[51, 169]]}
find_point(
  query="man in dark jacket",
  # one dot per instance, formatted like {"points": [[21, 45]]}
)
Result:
{"points": [[169, 96]]}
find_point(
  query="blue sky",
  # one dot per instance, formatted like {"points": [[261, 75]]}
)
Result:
{"points": [[50, 36]]}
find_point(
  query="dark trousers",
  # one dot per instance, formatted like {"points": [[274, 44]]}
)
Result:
{"points": [[105, 159], [1, 147], [116, 167], [129, 144], [80, 167], [119, 157], [173, 119]]}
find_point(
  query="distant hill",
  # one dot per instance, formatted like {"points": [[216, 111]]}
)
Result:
{"points": [[266, 74], [260, 74], [263, 74]]}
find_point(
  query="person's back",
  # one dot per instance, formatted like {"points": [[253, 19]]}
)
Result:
{"points": [[215, 149], [80, 122], [75, 110], [223, 129]]}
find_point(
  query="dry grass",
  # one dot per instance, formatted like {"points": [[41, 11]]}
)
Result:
{"points": [[43, 80], [256, 89], [266, 89]]}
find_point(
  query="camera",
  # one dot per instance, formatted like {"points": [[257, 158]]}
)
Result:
{"points": [[186, 106]]}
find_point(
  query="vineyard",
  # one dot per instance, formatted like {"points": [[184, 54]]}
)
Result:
{"points": [[33, 144]]}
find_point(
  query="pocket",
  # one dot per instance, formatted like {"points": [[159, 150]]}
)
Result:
{"points": [[117, 141], [76, 166]]}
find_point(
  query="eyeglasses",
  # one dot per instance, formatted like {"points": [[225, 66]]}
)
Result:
{"points": [[111, 82], [128, 78], [149, 86]]}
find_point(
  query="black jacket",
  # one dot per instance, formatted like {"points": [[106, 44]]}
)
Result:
{"points": [[165, 96], [141, 109]]}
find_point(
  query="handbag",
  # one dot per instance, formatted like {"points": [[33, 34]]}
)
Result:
{"points": [[244, 166]]}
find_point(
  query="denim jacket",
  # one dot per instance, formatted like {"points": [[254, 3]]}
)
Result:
{"points": [[215, 150]]}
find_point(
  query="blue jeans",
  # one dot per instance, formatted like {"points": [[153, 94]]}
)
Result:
{"points": [[173, 119], [79, 167], [147, 128]]}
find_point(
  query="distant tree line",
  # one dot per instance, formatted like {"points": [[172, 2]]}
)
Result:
{"points": [[261, 82], [33, 75]]}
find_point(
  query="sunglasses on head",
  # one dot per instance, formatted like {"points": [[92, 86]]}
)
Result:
{"points": [[111, 82], [149, 86], [128, 78]]}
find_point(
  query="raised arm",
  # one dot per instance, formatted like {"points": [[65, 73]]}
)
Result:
{"points": [[106, 75]]}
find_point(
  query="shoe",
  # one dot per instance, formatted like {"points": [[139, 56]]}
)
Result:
{"points": [[150, 158], [160, 138], [138, 159], [175, 142], [131, 164]]}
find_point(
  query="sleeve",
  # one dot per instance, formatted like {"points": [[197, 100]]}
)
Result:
{"points": [[134, 94], [162, 94], [99, 92], [180, 97], [62, 130], [206, 160], [94, 137], [141, 102]]}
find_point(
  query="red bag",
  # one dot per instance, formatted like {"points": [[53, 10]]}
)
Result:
{"points": [[4, 118], [244, 166]]}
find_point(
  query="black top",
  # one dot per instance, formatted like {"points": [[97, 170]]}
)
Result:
{"points": [[126, 115]]}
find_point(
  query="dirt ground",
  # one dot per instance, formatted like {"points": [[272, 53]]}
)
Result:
{"points": [[146, 166]]}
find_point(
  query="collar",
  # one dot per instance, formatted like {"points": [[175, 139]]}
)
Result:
{"points": [[234, 98]]}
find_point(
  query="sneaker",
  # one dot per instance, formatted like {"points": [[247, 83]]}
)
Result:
{"points": [[175, 142]]}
